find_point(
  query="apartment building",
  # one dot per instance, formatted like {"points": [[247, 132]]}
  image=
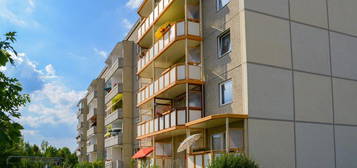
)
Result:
{"points": [[119, 138], [274, 79], [95, 119], [82, 128]]}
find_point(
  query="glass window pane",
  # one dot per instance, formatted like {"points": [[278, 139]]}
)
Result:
{"points": [[221, 3], [225, 43], [226, 92]]}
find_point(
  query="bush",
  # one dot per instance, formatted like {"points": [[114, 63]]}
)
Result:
{"points": [[233, 161], [97, 164]]}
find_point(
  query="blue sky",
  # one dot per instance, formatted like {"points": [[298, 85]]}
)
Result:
{"points": [[62, 46]]}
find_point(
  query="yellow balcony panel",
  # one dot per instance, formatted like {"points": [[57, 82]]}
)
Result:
{"points": [[165, 11], [170, 83], [117, 88], [170, 47]]}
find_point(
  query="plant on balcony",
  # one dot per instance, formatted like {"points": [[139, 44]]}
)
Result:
{"points": [[117, 102], [233, 161]]}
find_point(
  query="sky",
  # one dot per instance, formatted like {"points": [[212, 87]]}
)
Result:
{"points": [[62, 46]]}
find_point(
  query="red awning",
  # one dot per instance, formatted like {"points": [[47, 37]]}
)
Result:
{"points": [[142, 153]]}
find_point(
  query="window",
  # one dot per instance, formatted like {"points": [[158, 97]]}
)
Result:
{"points": [[218, 141], [224, 43], [225, 92], [221, 4]]}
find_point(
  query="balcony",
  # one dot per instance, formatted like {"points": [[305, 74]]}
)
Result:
{"points": [[167, 121], [165, 11], [118, 88], [79, 112], [170, 78], [118, 63], [113, 164], [80, 125], [90, 96], [91, 131], [113, 116], [78, 153], [145, 8], [91, 148], [92, 113], [114, 140], [170, 46]]}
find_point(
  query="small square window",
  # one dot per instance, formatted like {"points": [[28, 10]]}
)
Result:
{"points": [[221, 4], [225, 92], [224, 43]]}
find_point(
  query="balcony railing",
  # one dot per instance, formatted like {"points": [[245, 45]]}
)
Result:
{"points": [[113, 116], [118, 88], [78, 153], [92, 148], [90, 96], [92, 113], [114, 140], [79, 112], [80, 125], [174, 118], [118, 63], [153, 17], [114, 164], [91, 131], [172, 77], [176, 31]]}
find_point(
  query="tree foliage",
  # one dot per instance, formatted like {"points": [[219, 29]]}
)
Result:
{"points": [[233, 161], [69, 159], [97, 164], [11, 99]]}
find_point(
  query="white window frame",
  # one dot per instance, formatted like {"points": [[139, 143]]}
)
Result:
{"points": [[220, 92], [219, 42], [218, 8]]}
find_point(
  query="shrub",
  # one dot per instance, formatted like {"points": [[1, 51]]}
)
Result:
{"points": [[97, 164], [233, 161]]}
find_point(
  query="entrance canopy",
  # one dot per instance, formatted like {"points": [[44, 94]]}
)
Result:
{"points": [[143, 153]]}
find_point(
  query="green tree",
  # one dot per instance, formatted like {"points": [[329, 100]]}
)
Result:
{"points": [[233, 161], [11, 99]]}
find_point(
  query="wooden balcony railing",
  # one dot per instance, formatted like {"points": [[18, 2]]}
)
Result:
{"points": [[170, 78], [170, 119], [176, 31]]}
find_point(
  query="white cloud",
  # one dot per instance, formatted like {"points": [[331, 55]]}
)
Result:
{"points": [[18, 13], [127, 24], [100, 52], [133, 4], [29, 132], [31, 6], [3, 68], [54, 104], [50, 72]]}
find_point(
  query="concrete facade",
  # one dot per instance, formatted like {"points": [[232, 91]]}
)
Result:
{"points": [[82, 128], [292, 65], [301, 64]]}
